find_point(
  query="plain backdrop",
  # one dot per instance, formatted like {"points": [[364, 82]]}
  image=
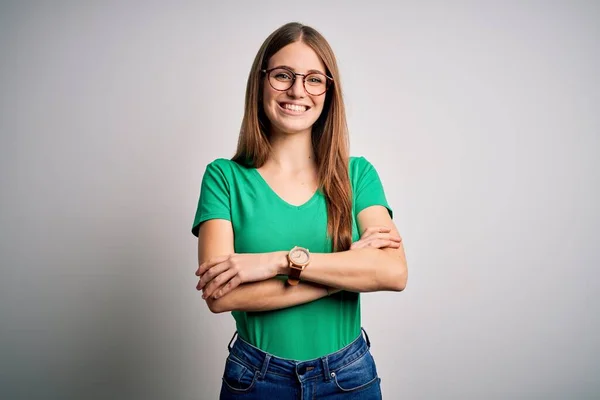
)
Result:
{"points": [[482, 118]]}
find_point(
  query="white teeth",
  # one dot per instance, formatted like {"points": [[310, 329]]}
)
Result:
{"points": [[294, 107]]}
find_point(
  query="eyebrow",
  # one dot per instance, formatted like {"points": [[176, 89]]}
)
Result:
{"points": [[292, 69]]}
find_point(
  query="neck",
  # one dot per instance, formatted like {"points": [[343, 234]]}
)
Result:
{"points": [[292, 152]]}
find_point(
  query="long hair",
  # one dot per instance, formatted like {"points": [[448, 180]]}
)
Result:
{"points": [[329, 132]]}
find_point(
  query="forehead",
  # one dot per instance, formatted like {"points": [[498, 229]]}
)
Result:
{"points": [[299, 56]]}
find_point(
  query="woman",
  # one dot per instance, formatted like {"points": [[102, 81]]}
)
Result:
{"points": [[291, 187]]}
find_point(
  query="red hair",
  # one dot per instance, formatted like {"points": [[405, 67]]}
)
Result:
{"points": [[329, 133]]}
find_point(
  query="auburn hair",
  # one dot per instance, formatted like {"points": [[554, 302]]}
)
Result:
{"points": [[329, 133]]}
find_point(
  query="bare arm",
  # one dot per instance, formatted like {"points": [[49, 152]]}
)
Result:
{"points": [[378, 267], [272, 294], [366, 269], [215, 238]]}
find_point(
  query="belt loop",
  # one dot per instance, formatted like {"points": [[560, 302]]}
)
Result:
{"points": [[326, 368], [366, 337], [233, 337], [265, 366]]}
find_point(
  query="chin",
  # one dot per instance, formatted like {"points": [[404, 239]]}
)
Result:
{"points": [[293, 129]]}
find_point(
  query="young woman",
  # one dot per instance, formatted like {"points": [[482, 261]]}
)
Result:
{"points": [[292, 229]]}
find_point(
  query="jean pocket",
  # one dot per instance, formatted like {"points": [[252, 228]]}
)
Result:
{"points": [[237, 377], [359, 374]]}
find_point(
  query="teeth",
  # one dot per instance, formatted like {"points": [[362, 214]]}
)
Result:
{"points": [[294, 107]]}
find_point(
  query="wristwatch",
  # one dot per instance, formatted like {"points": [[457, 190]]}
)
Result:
{"points": [[298, 257]]}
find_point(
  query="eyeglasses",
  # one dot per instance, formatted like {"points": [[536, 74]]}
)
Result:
{"points": [[282, 79]]}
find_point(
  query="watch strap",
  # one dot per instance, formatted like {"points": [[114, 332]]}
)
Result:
{"points": [[294, 275]]}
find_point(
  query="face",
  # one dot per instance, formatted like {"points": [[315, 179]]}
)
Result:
{"points": [[294, 110]]}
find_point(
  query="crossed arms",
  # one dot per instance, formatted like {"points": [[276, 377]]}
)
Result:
{"points": [[247, 282]]}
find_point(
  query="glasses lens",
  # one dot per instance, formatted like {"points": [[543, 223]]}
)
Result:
{"points": [[281, 79], [315, 83]]}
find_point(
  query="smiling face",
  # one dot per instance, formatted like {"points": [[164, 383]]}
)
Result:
{"points": [[293, 111]]}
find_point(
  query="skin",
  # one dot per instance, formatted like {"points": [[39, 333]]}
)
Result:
{"points": [[291, 170], [245, 282], [285, 123]]}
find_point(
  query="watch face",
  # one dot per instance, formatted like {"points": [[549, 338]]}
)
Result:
{"points": [[299, 256]]}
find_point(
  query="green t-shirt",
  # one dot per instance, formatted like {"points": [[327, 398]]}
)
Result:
{"points": [[263, 222]]}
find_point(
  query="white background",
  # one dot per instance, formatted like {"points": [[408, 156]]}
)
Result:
{"points": [[482, 118]]}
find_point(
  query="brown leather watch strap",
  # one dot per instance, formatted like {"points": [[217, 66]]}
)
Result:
{"points": [[294, 276]]}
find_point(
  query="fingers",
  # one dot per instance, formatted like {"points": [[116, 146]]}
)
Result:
{"points": [[383, 243], [386, 236], [210, 274], [232, 284], [378, 240], [375, 229], [377, 244], [202, 268], [217, 282], [378, 231]]}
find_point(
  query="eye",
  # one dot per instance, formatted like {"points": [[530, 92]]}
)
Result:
{"points": [[282, 75], [315, 79]]}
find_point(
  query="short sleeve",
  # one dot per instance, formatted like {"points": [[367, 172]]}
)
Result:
{"points": [[368, 190], [214, 197]]}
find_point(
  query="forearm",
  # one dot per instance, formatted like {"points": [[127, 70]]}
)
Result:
{"points": [[271, 294], [358, 270]]}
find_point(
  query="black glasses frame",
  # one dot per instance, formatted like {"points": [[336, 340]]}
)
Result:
{"points": [[328, 80]]}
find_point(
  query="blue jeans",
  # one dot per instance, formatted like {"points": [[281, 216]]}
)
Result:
{"points": [[349, 373]]}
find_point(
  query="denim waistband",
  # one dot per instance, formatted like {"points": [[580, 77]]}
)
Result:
{"points": [[263, 363]]}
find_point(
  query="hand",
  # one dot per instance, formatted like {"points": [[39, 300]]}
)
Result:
{"points": [[378, 237], [220, 275]]}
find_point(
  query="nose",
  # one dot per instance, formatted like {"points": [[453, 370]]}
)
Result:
{"points": [[297, 89]]}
